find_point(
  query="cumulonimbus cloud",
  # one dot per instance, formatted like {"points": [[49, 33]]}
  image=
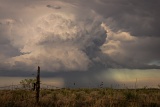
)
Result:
{"points": [[62, 43], [71, 36]]}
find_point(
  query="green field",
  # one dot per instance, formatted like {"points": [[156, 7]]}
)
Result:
{"points": [[102, 97]]}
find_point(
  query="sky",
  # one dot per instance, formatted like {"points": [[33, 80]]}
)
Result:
{"points": [[81, 41]]}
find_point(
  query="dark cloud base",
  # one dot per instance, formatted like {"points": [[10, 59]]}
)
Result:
{"points": [[140, 18]]}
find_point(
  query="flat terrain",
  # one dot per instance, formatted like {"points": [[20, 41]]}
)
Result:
{"points": [[101, 97]]}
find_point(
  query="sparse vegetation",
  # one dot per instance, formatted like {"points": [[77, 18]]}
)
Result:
{"points": [[27, 83], [101, 97]]}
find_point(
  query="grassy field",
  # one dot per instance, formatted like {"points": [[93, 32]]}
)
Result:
{"points": [[82, 98]]}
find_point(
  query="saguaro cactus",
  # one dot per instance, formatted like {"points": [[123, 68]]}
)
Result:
{"points": [[38, 85]]}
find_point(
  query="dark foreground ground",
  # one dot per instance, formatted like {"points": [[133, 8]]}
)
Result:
{"points": [[82, 98]]}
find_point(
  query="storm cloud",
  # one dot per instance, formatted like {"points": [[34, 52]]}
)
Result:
{"points": [[79, 35]]}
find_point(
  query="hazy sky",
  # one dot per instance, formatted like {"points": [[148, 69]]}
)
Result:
{"points": [[79, 38]]}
